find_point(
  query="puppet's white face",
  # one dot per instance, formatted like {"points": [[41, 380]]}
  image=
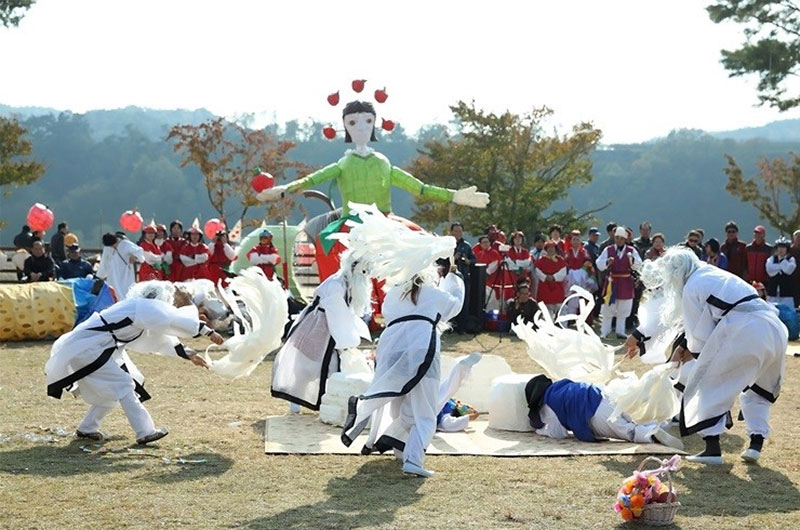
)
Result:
{"points": [[359, 126]]}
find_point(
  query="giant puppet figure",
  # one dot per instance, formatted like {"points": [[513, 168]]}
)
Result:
{"points": [[365, 176]]}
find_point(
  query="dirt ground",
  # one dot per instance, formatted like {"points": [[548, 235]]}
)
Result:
{"points": [[211, 471]]}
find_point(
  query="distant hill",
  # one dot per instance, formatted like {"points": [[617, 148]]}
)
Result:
{"points": [[776, 131]]}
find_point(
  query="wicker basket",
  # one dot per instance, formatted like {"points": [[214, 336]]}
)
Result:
{"points": [[659, 513]]}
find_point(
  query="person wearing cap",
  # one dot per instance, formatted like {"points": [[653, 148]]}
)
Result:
{"points": [[39, 267], [194, 257], [618, 261], [265, 255], [758, 252], [161, 236], [153, 267], [780, 268], [222, 255], [117, 263], [556, 408], [643, 242], [74, 266], [591, 245], [171, 248], [735, 250], [714, 256], [551, 271]]}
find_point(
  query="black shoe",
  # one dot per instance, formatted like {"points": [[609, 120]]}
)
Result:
{"points": [[94, 436], [157, 435]]}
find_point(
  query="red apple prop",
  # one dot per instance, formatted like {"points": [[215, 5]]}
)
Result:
{"points": [[40, 217], [387, 125], [213, 226], [333, 99], [329, 133], [131, 221], [381, 95], [262, 181], [358, 85]]}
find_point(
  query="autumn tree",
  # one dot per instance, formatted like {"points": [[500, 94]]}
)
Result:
{"points": [[772, 46], [12, 11], [774, 191], [226, 154], [15, 168], [511, 156]]}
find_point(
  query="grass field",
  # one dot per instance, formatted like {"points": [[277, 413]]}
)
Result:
{"points": [[211, 471]]}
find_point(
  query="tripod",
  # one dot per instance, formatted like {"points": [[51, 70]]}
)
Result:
{"points": [[502, 272]]}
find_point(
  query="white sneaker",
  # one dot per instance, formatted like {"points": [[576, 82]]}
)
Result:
{"points": [[703, 459], [667, 439], [413, 469], [751, 456]]}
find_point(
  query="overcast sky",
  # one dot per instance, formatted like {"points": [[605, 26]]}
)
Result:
{"points": [[636, 68]]}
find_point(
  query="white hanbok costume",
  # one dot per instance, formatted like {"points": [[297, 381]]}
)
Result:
{"points": [[116, 267], [311, 351], [91, 359], [740, 345], [403, 397], [781, 268]]}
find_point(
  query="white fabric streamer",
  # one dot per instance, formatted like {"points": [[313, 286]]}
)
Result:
{"points": [[650, 398], [268, 312]]}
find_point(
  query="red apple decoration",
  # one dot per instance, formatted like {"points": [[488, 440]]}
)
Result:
{"points": [[333, 99], [213, 226], [131, 221], [261, 181], [381, 95], [40, 217], [387, 125], [358, 85], [329, 132]]}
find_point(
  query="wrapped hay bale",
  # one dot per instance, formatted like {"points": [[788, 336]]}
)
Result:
{"points": [[35, 311]]}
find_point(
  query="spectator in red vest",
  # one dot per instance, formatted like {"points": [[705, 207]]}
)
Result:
{"points": [[265, 255], [194, 257], [222, 255], [735, 251], [658, 249], [757, 254], [172, 250], [551, 270], [153, 266]]}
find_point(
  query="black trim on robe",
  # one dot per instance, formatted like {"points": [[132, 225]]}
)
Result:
{"points": [[769, 396], [323, 382], [56, 388], [180, 350], [141, 393], [727, 307], [349, 422]]}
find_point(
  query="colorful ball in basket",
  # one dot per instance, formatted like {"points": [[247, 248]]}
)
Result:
{"points": [[213, 226], [40, 217], [131, 221], [261, 181]]}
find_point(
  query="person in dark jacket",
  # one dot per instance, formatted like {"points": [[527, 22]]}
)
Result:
{"points": [[522, 305], [75, 266], [57, 249], [734, 250], [464, 260], [24, 239], [39, 267], [758, 252]]}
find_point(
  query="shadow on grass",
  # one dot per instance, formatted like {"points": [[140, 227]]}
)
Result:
{"points": [[70, 460], [371, 497], [716, 491]]}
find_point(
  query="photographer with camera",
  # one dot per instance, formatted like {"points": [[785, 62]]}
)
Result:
{"points": [[222, 255]]}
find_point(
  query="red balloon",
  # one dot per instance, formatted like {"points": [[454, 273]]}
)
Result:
{"points": [[213, 226], [329, 133], [40, 217], [131, 221], [262, 181]]}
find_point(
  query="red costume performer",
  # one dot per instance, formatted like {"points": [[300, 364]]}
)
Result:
{"points": [[172, 248], [222, 256], [153, 266], [265, 255], [194, 257], [551, 270]]}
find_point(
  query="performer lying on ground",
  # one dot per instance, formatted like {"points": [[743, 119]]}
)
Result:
{"points": [[557, 408], [739, 343], [91, 360], [331, 323]]}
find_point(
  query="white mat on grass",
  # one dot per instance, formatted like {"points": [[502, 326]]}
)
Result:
{"points": [[304, 434]]}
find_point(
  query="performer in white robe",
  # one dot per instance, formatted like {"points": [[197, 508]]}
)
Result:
{"points": [[91, 360], [117, 263], [738, 340], [402, 399], [331, 323]]}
